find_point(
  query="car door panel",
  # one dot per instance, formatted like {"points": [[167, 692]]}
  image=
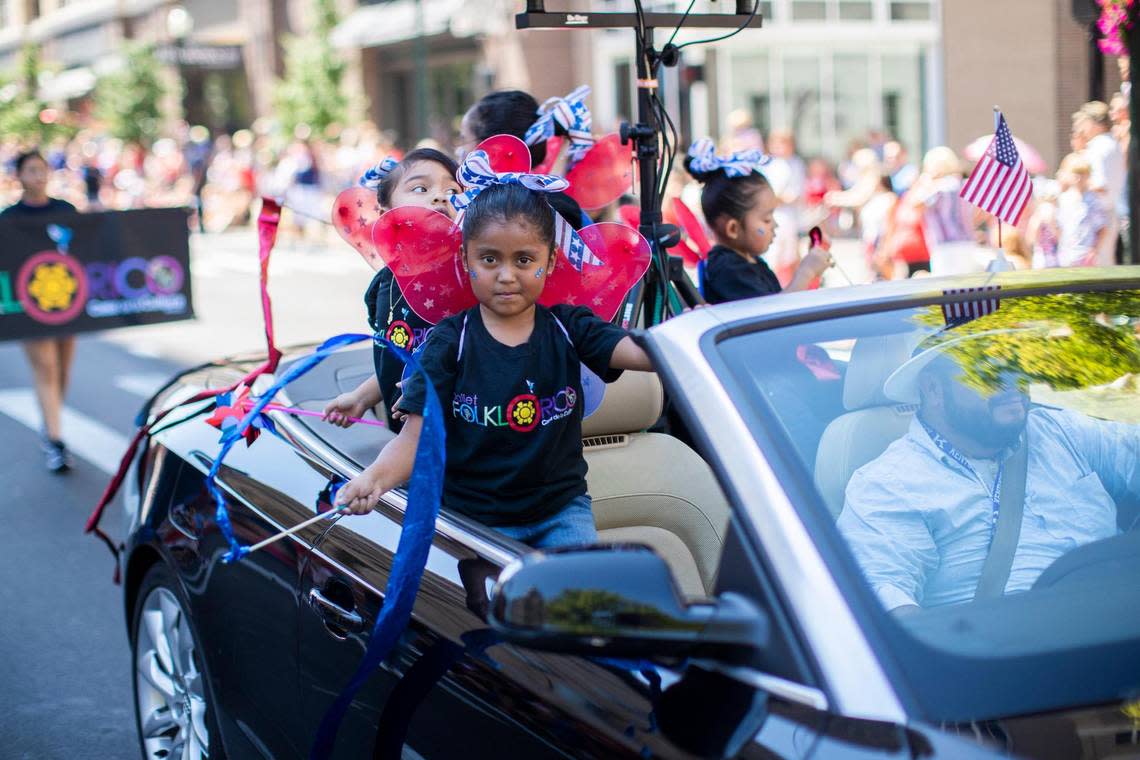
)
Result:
{"points": [[246, 612], [453, 689]]}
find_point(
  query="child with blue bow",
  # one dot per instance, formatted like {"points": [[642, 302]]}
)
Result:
{"points": [[738, 204], [508, 373]]}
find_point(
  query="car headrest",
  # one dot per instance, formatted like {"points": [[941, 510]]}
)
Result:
{"points": [[873, 359], [631, 405]]}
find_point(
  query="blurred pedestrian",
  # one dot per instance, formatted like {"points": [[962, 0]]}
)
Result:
{"points": [[1082, 217], [874, 219], [50, 358], [947, 219], [1106, 163], [897, 163], [786, 174], [866, 172], [1043, 232], [742, 133], [739, 205]]}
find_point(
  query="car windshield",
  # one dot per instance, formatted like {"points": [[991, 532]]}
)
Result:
{"points": [[978, 464]]}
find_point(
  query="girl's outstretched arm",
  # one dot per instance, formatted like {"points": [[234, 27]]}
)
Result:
{"points": [[629, 355], [392, 467]]}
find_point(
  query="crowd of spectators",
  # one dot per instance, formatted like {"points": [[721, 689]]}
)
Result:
{"points": [[905, 213]]}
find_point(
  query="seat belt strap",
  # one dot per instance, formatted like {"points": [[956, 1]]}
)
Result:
{"points": [[995, 570]]}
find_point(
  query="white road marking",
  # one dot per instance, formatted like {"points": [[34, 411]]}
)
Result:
{"points": [[142, 385], [85, 437]]}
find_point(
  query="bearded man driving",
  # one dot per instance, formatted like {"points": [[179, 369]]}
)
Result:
{"points": [[921, 519]]}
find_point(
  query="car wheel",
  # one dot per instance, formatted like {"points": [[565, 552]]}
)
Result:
{"points": [[172, 708]]}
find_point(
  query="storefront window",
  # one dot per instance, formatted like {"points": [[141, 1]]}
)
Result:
{"points": [[903, 99], [855, 10], [809, 10], [852, 92], [830, 99], [802, 113], [910, 10]]}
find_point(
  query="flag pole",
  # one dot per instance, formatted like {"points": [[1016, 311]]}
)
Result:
{"points": [[1001, 251]]}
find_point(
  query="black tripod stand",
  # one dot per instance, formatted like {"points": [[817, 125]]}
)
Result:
{"points": [[650, 301]]}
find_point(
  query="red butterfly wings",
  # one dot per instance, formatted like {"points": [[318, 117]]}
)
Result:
{"points": [[506, 153], [602, 175], [422, 248], [625, 255], [354, 212]]}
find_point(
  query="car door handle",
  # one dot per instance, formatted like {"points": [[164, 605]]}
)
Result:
{"points": [[333, 614]]}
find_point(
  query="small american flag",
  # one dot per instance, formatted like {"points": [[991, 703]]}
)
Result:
{"points": [[1000, 183], [980, 302]]}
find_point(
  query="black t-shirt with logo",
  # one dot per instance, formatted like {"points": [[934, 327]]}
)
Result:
{"points": [[390, 316], [731, 277], [514, 413]]}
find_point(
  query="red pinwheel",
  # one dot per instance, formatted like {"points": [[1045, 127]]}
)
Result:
{"points": [[603, 174], [231, 410]]}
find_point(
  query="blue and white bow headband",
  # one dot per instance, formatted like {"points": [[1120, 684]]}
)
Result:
{"points": [[378, 173], [573, 115], [476, 175], [739, 164]]}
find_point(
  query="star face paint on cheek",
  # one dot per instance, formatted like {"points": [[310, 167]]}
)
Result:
{"points": [[471, 274], [539, 273]]}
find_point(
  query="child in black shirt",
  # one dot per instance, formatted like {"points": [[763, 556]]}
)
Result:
{"points": [[508, 375], [426, 178], [738, 202]]}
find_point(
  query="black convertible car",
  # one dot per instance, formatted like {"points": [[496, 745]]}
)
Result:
{"points": [[767, 586]]}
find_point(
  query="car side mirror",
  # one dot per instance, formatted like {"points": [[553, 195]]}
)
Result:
{"points": [[619, 600]]}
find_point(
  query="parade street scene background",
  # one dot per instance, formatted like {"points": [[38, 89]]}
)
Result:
{"points": [[141, 143]]}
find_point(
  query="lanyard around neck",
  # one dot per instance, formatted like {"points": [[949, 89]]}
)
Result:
{"points": [[949, 450]]}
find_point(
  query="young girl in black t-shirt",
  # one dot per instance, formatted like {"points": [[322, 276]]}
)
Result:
{"points": [[738, 203], [426, 178], [508, 375]]}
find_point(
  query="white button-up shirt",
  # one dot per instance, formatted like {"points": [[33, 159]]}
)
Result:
{"points": [[920, 525]]}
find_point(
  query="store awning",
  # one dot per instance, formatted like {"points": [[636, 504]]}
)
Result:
{"points": [[392, 22]]}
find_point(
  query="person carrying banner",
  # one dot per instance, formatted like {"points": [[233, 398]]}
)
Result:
{"points": [[50, 358]]}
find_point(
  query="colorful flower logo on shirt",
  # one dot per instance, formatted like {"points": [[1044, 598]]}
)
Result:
{"points": [[52, 287], [522, 413], [400, 334]]}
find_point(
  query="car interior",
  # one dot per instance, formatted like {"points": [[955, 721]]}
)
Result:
{"points": [[652, 488], [646, 487]]}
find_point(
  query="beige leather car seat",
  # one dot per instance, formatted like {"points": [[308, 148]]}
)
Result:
{"points": [[651, 488], [872, 421]]}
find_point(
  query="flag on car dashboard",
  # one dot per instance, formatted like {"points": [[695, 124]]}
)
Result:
{"points": [[1000, 183], [979, 302]]}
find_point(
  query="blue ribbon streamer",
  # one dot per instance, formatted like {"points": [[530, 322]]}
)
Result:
{"points": [[235, 433], [424, 494]]}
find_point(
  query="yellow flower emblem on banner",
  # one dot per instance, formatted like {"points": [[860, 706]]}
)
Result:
{"points": [[53, 287]]}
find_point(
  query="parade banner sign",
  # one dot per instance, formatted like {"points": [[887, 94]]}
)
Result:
{"points": [[62, 274]]}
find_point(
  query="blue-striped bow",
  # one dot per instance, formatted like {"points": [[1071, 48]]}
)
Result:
{"points": [[374, 176], [739, 164], [476, 174], [572, 114]]}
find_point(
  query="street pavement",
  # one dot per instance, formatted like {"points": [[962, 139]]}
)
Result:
{"points": [[65, 670]]}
